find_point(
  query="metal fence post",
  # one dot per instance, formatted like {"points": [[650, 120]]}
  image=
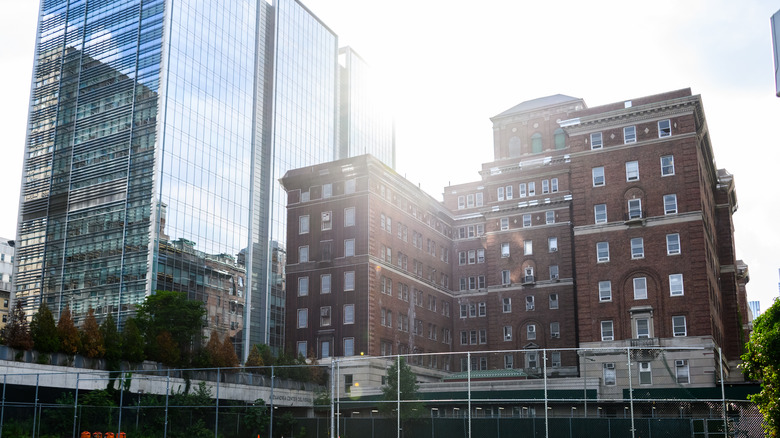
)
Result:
{"points": [[2, 410], [338, 397], [35, 406], [544, 373], [630, 391], [723, 393], [216, 413], [398, 395], [271, 427], [167, 391], [75, 405], [468, 376], [332, 401], [121, 402]]}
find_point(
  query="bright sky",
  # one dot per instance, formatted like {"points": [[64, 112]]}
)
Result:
{"points": [[451, 65]]}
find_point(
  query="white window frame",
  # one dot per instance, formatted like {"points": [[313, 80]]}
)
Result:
{"points": [[326, 222], [599, 216], [500, 193], [481, 255], [667, 165], [325, 283], [522, 190], [349, 217], [303, 286], [596, 140], [632, 171], [629, 134], [461, 202], [527, 220], [326, 316], [552, 244], [634, 209], [349, 314], [505, 250], [670, 204], [553, 301], [674, 281], [303, 318], [640, 288], [530, 303], [507, 333], [504, 223], [599, 178], [637, 248], [610, 376], [555, 330], [303, 224], [530, 332], [554, 185], [672, 241], [549, 217], [607, 331], [509, 193], [349, 247], [506, 278], [349, 346], [602, 252], [605, 291], [679, 326], [642, 332], [327, 190], [554, 274], [545, 186], [645, 373], [664, 128], [472, 256], [349, 280], [470, 200], [506, 305], [682, 371], [528, 247], [479, 199], [532, 188], [303, 254]]}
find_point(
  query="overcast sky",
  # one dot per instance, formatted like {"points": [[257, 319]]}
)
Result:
{"points": [[451, 65]]}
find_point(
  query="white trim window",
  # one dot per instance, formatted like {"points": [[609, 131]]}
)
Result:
{"points": [[479, 199], [325, 316], [470, 200], [667, 165], [602, 252], [326, 220], [549, 217], [349, 346], [303, 286], [529, 303], [682, 371], [670, 204], [500, 193], [303, 254], [325, 284], [303, 224], [349, 247], [645, 373], [607, 331], [545, 186], [552, 244], [673, 244], [610, 376], [480, 256], [509, 193], [302, 348], [600, 213], [504, 223], [632, 171], [349, 217], [327, 190], [523, 192], [530, 331], [596, 141], [553, 301], [526, 220], [349, 186], [507, 333], [506, 305], [461, 202], [679, 328], [676, 285], [629, 134], [664, 128], [598, 176], [506, 278], [555, 330], [528, 247], [637, 248], [349, 314], [640, 288], [509, 361], [531, 188], [605, 291], [349, 280], [553, 272], [634, 209], [554, 185], [472, 256], [303, 318], [505, 250]]}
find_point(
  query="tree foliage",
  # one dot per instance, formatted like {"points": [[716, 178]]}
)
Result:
{"points": [[43, 331], [406, 391], [70, 340], [112, 341], [16, 333], [170, 318], [761, 361], [132, 342], [92, 344], [254, 359], [257, 418]]}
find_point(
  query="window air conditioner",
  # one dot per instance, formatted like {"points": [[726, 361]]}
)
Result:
{"points": [[680, 363], [609, 366], [326, 216], [555, 335]]}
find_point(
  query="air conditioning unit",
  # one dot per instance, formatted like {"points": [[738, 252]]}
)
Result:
{"points": [[555, 335], [326, 216], [680, 363], [531, 329], [609, 366], [554, 249], [554, 277]]}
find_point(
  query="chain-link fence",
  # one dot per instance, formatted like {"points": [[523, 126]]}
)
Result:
{"points": [[637, 391]]}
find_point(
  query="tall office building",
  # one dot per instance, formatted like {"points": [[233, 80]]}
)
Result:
{"points": [[6, 277], [156, 136]]}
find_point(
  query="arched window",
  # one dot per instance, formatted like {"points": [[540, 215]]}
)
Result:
{"points": [[560, 139], [514, 147], [536, 143]]}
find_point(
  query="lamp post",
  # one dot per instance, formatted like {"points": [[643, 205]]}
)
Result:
{"points": [[432, 431]]}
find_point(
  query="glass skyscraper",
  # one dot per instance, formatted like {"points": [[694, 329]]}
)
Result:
{"points": [[157, 133]]}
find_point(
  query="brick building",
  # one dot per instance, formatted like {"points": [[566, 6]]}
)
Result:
{"points": [[593, 227]]}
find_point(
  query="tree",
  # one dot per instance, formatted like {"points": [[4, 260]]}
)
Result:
{"points": [[43, 331], [92, 344], [227, 353], [761, 361], [171, 313], [257, 419], [254, 359], [407, 390], [16, 333], [112, 341], [132, 342], [70, 341]]}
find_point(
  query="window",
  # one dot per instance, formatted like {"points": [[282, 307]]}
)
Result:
{"points": [[504, 250], [664, 128], [461, 257], [595, 141], [505, 278], [349, 348], [672, 244], [463, 311], [529, 302], [555, 330], [670, 204], [529, 275], [472, 310], [600, 213], [349, 186], [324, 316], [303, 286], [602, 252], [552, 244], [643, 328], [349, 314], [349, 248], [325, 284], [480, 256], [523, 192], [553, 272], [526, 220], [303, 224], [607, 331], [676, 285], [682, 371], [629, 134], [327, 224], [302, 348], [667, 165], [470, 200], [303, 254], [555, 359], [528, 247], [550, 217], [349, 280], [472, 283], [553, 301], [531, 188], [509, 192], [472, 256], [506, 305], [560, 139], [464, 338], [554, 185], [637, 248], [479, 199], [605, 291], [461, 202], [678, 326], [632, 171], [327, 190], [473, 337], [504, 223], [536, 143], [303, 318], [545, 186], [500, 193], [509, 361], [532, 359], [325, 349], [507, 333], [640, 288], [349, 217], [530, 332], [609, 374], [645, 374], [482, 309], [634, 209], [598, 176]]}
